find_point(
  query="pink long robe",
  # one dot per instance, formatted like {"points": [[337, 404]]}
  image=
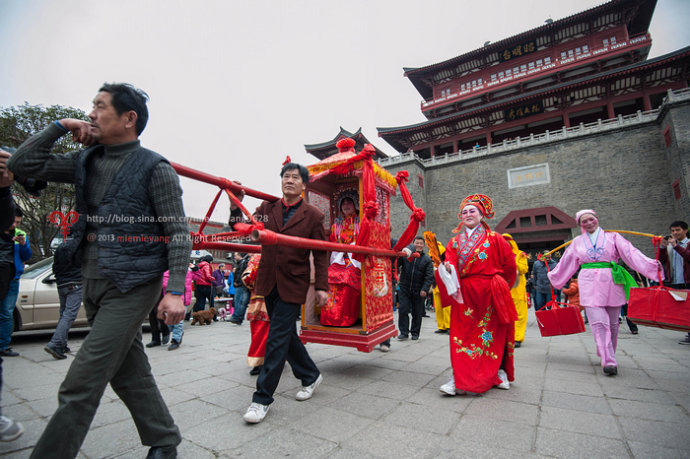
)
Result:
{"points": [[596, 285]]}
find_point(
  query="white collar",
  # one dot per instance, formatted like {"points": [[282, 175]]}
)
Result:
{"points": [[594, 236], [469, 231]]}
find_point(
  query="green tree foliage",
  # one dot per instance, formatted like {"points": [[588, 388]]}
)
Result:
{"points": [[16, 125]]}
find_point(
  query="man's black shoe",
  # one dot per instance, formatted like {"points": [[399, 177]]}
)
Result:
{"points": [[236, 322], [255, 371], [8, 352], [173, 345], [153, 344], [518, 344], [402, 337], [162, 452], [166, 338], [440, 331], [415, 338], [56, 353]]}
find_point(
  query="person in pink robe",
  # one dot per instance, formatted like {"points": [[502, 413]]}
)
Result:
{"points": [[604, 285]]}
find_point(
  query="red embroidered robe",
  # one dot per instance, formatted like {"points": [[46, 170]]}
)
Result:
{"points": [[482, 329], [344, 280]]}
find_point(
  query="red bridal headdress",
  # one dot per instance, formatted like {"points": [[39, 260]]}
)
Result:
{"points": [[483, 202], [480, 201]]}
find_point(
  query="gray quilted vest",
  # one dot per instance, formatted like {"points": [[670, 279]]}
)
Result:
{"points": [[131, 247]]}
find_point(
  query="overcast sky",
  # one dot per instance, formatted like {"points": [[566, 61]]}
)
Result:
{"points": [[235, 85]]}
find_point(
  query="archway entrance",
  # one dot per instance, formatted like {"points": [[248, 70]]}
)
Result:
{"points": [[537, 229]]}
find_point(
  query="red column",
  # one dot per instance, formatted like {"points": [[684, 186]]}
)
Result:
{"points": [[646, 102], [566, 120], [609, 108]]}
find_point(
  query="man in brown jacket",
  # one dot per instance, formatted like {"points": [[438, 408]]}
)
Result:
{"points": [[283, 279]]}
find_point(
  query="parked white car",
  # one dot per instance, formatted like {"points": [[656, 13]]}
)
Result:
{"points": [[38, 303]]}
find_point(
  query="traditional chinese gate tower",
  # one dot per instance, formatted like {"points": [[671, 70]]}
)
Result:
{"points": [[586, 67]]}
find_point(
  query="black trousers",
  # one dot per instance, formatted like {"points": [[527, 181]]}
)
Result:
{"points": [[158, 326], [282, 344], [410, 303]]}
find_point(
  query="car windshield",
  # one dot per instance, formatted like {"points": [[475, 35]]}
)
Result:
{"points": [[37, 269]]}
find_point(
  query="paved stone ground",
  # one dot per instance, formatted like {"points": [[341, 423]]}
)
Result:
{"points": [[387, 405]]}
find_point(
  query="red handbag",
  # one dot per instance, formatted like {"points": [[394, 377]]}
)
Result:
{"points": [[554, 320], [660, 307], [557, 318]]}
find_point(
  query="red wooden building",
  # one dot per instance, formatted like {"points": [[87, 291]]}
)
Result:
{"points": [[587, 67]]}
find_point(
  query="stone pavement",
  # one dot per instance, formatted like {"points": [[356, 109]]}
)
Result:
{"points": [[387, 404]]}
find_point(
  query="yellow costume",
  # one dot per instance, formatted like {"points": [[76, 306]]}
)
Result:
{"points": [[442, 314], [519, 291]]}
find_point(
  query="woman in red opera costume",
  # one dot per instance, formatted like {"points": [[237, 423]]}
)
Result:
{"points": [[344, 275], [479, 270]]}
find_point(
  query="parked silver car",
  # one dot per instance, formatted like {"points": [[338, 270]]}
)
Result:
{"points": [[38, 303]]}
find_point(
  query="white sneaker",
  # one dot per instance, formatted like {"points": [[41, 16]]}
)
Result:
{"points": [[308, 391], [255, 413], [448, 388], [504, 380], [10, 429], [384, 348]]}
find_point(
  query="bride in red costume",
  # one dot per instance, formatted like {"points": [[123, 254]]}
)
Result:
{"points": [[480, 268], [344, 277]]}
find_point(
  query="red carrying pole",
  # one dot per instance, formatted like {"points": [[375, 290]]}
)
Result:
{"points": [[228, 247], [267, 237], [220, 182]]}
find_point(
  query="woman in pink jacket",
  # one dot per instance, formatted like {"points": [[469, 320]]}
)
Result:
{"points": [[604, 285]]}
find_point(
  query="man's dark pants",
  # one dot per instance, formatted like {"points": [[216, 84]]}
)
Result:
{"points": [[282, 344], [410, 303], [70, 302], [158, 326], [203, 293], [112, 352], [240, 303]]}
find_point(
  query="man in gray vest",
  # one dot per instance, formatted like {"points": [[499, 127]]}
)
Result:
{"points": [[131, 228]]}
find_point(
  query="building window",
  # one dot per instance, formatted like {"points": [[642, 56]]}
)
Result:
{"points": [[474, 83], [606, 42], [523, 68], [509, 72], [539, 62], [564, 55], [570, 53], [516, 69], [421, 180], [585, 49], [613, 40], [530, 65], [547, 60], [493, 77]]}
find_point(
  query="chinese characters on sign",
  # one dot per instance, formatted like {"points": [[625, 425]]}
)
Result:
{"points": [[522, 111], [517, 51], [537, 174]]}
